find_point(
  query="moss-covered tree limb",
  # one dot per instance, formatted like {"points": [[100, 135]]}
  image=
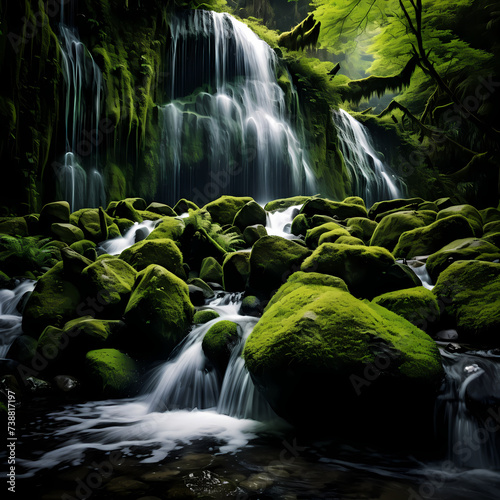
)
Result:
{"points": [[303, 35]]}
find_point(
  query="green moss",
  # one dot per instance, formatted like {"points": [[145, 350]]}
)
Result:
{"points": [[313, 235], [67, 233], [163, 252], [361, 228], [211, 270], [469, 212], [109, 372], [388, 205], [204, 316], [284, 203], [250, 214], [82, 246], [417, 305], [490, 215], [335, 209], [235, 271], [355, 200], [430, 239], [219, 342], [300, 225], [491, 228], [13, 226], [224, 209]]}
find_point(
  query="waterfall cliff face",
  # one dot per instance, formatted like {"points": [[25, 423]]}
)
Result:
{"points": [[80, 180], [370, 178], [226, 128]]}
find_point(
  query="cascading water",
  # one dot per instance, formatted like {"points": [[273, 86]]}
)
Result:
{"points": [[137, 232], [227, 128], [371, 179], [80, 181]]}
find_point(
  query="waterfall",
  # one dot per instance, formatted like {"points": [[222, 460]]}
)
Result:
{"points": [[371, 179], [467, 412], [80, 180], [226, 128]]}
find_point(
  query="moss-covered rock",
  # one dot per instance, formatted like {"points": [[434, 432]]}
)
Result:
{"points": [[493, 238], [355, 200], [272, 260], [94, 223], [82, 246], [470, 291], [417, 305], [208, 293], [123, 224], [55, 212], [163, 252], [13, 226], [224, 209], [249, 215], [394, 225], [235, 271], [349, 240], [314, 338], [429, 239], [467, 211], [300, 225], [110, 281], [361, 228], [491, 228], [332, 236], [67, 233], [284, 203], [204, 316], [161, 209], [211, 271], [313, 235], [73, 264], [490, 215], [252, 233], [335, 209], [159, 308], [199, 245], [464, 249], [169, 227], [183, 206], [110, 373], [367, 271], [54, 301], [219, 342], [125, 210], [389, 205], [251, 306]]}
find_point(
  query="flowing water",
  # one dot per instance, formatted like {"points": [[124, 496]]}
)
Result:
{"points": [[80, 180], [370, 178], [136, 233], [228, 127]]}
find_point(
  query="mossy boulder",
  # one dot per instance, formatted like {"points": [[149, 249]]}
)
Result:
{"points": [[429, 239], [349, 240], [199, 245], [208, 293], [169, 227], [110, 282], [159, 308], [361, 228], [204, 316], [123, 224], [253, 233], [73, 263], [367, 271], [313, 235], [161, 209], [13, 226], [467, 211], [355, 200], [272, 260], [94, 224], [55, 212], [464, 249], [251, 306], [235, 271], [284, 203], [331, 236], [250, 214], [54, 301], [110, 373], [493, 238], [300, 225], [83, 247], [163, 252], [491, 228], [183, 206], [224, 209], [381, 207], [470, 291], [219, 342], [390, 228], [335, 209], [317, 349], [125, 210], [67, 233], [211, 271], [490, 215], [417, 305]]}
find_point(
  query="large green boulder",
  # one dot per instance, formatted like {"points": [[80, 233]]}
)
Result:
{"points": [[272, 260], [183, 206], [491, 228], [390, 228], [219, 342], [235, 271], [125, 210], [159, 310], [54, 301], [204, 316], [249, 215], [110, 281], [169, 227], [490, 215], [73, 263], [211, 271], [67, 233], [161, 209], [314, 234], [418, 305], [382, 207], [470, 292], [93, 222], [429, 239], [163, 252], [335, 209], [361, 227], [464, 249], [110, 373], [224, 209], [284, 203], [13, 226], [355, 200], [325, 360], [367, 271], [469, 212], [55, 212], [300, 225], [253, 233]]}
